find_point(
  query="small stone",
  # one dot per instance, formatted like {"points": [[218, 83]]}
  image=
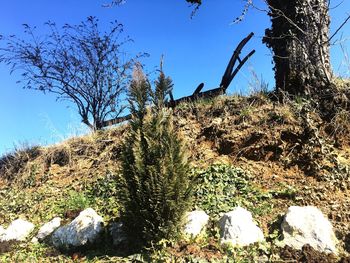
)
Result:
{"points": [[238, 228], [307, 225], [217, 121], [196, 221], [34, 240], [117, 232], [18, 230], [262, 259], [48, 228]]}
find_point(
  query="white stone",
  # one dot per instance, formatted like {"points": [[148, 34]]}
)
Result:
{"points": [[238, 228], [18, 230], [195, 222], [117, 233], [84, 229], [48, 228], [34, 240], [2, 230], [307, 225]]}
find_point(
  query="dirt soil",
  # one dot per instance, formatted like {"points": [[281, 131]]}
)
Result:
{"points": [[308, 254]]}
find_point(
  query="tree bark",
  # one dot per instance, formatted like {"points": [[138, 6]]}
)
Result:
{"points": [[298, 38]]}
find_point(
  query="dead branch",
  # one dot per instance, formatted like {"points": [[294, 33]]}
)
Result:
{"points": [[229, 74]]}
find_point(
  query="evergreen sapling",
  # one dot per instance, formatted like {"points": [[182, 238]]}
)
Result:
{"points": [[156, 188]]}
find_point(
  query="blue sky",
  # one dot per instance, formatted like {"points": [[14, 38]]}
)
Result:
{"points": [[196, 50]]}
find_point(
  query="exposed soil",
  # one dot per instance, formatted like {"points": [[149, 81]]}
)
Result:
{"points": [[309, 255], [210, 252], [71, 214], [7, 246]]}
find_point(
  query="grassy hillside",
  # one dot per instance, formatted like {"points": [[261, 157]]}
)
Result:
{"points": [[284, 153]]}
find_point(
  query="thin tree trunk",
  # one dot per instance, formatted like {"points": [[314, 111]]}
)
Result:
{"points": [[298, 38]]}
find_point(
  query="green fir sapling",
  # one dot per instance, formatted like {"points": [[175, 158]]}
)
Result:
{"points": [[156, 188]]}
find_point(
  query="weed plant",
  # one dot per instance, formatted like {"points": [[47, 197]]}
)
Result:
{"points": [[222, 187]]}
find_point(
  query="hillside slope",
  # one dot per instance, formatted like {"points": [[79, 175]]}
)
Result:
{"points": [[287, 149]]}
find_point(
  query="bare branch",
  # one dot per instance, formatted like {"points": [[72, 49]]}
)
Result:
{"points": [[77, 63], [339, 28]]}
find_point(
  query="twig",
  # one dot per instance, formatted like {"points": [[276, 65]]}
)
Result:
{"points": [[336, 32]]}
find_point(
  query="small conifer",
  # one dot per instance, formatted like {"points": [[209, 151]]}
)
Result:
{"points": [[155, 184]]}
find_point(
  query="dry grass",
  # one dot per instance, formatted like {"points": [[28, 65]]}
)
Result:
{"points": [[75, 157], [225, 128], [16, 162]]}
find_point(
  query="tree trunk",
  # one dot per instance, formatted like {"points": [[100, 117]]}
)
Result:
{"points": [[298, 38]]}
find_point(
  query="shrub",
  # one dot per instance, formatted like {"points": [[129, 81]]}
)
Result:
{"points": [[222, 187], [155, 187]]}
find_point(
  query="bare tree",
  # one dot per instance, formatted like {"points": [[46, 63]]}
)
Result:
{"points": [[300, 41], [78, 63]]}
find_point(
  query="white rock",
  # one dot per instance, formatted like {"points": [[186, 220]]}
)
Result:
{"points": [[307, 225], [238, 229], [2, 230], [196, 221], [117, 233], [34, 240], [48, 228], [18, 230], [84, 229]]}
